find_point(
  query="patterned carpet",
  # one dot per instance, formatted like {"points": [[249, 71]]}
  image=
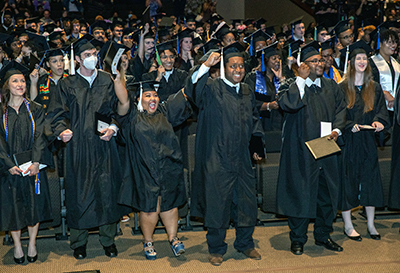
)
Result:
{"points": [[272, 240]]}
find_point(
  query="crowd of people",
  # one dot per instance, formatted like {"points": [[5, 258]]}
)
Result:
{"points": [[116, 95]]}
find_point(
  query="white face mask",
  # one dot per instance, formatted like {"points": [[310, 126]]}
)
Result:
{"points": [[90, 62]]}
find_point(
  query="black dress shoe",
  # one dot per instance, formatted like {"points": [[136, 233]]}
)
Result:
{"points": [[111, 251], [31, 259], [355, 238], [329, 244], [297, 248], [80, 252], [19, 260], [374, 236]]}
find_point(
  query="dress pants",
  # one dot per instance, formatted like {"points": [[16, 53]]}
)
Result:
{"points": [[244, 235], [323, 222], [79, 237]]}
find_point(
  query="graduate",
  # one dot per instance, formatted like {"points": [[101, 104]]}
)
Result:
{"points": [[223, 185], [330, 71], [361, 183], [185, 53], [170, 79], [42, 88], [93, 169], [153, 179], [309, 188], [266, 81], [24, 194]]}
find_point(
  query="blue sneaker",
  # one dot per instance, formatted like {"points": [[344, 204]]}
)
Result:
{"points": [[149, 251], [177, 247]]}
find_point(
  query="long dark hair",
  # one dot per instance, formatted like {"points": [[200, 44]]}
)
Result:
{"points": [[5, 95], [367, 90]]}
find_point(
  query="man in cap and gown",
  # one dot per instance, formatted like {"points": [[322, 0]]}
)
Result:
{"points": [[309, 188]]}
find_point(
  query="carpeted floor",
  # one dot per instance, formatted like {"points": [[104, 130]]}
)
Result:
{"points": [[272, 241]]}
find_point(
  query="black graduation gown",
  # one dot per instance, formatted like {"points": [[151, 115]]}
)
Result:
{"points": [[271, 120], [362, 178], [223, 167], [182, 65], [299, 172], [176, 81], [93, 176], [394, 192], [19, 205], [137, 68], [153, 164]]}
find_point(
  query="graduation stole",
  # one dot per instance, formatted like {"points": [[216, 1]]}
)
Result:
{"points": [[44, 88], [261, 87], [333, 74], [5, 124]]}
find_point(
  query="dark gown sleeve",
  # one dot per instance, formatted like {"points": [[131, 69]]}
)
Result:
{"points": [[177, 108], [58, 114], [289, 97], [381, 112], [39, 145], [6, 162], [375, 71], [250, 79], [339, 122], [195, 91]]}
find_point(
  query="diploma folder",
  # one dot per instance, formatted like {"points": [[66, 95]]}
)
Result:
{"points": [[101, 122], [23, 161], [321, 147]]}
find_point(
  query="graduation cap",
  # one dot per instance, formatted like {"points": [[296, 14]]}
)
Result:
{"points": [[376, 33], [292, 47], [197, 40], [340, 27], [233, 50], [35, 20], [295, 22], [97, 44], [111, 53], [40, 40], [259, 22], [166, 22], [210, 44], [248, 22], [146, 16], [183, 34], [352, 50], [199, 24], [54, 52], [328, 44], [12, 37], [307, 51], [99, 25], [267, 52], [78, 47], [12, 68], [49, 28], [143, 87], [221, 30], [238, 21], [280, 35], [256, 36], [270, 30], [214, 18]]}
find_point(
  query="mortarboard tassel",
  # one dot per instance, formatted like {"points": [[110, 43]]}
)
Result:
{"points": [[155, 38], [90, 30], [204, 50], [184, 20], [362, 25], [61, 24], [298, 57], [177, 45], [251, 46], [72, 72], [262, 62], [37, 184], [132, 52], [98, 57], [140, 106], [221, 66], [315, 33], [346, 60], [158, 57], [290, 50], [293, 31], [208, 35], [379, 39]]}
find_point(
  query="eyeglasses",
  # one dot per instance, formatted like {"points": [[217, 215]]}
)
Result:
{"points": [[348, 36], [236, 66], [327, 56], [167, 57], [315, 61]]}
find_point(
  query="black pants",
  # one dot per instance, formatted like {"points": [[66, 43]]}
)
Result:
{"points": [[216, 239], [323, 222], [79, 237]]}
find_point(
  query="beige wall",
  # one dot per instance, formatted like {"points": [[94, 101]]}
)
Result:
{"points": [[231, 9]]}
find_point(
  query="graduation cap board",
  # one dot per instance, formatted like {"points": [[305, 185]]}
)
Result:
{"points": [[267, 52], [144, 86], [259, 22], [210, 44], [376, 34], [359, 47], [113, 55], [39, 40], [233, 50], [12, 68], [293, 47], [307, 51]]}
